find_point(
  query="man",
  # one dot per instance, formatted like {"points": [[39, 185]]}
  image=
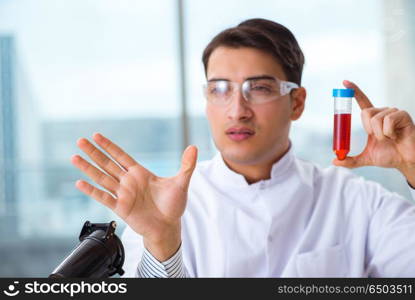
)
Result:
{"points": [[255, 210]]}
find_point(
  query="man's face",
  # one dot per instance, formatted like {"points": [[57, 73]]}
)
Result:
{"points": [[269, 122]]}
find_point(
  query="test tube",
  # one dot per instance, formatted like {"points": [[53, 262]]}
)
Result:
{"points": [[342, 121]]}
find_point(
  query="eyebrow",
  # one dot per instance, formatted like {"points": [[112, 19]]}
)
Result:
{"points": [[249, 78]]}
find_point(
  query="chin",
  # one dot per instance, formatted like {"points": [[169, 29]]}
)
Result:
{"points": [[241, 156]]}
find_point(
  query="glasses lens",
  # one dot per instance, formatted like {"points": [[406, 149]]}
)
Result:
{"points": [[218, 92], [261, 90]]}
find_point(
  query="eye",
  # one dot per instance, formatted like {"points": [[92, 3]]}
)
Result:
{"points": [[261, 88], [218, 87], [212, 90]]}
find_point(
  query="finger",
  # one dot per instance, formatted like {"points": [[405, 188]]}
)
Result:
{"points": [[95, 174], [367, 115], [394, 122], [100, 158], [101, 196], [114, 151], [352, 162], [189, 159], [360, 97], [377, 123]]}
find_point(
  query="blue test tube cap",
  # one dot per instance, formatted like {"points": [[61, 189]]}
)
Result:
{"points": [[343, 93]]}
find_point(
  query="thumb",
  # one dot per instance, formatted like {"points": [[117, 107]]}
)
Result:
{"points": [[350, 162], [189, 159]]}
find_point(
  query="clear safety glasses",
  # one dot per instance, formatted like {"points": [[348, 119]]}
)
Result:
{"points": [[255, 90]]}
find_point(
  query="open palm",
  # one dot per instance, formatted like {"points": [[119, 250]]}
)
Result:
{"points": [[147, 203]]}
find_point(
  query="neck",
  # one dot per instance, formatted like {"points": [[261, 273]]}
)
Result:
{"points": [[257, 171]]}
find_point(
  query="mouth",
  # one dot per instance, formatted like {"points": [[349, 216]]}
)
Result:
{"points": [[239, 134]]}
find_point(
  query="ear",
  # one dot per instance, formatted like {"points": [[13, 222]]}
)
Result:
{"points": [[298, 97]]}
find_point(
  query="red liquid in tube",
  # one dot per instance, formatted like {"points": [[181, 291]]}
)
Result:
{"points": [[341, 137]]}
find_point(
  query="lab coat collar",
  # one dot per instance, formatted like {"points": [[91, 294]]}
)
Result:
{"points": [[227, 177]]}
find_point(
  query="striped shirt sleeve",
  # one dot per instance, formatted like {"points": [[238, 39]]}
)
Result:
{"points": [[150, 267]]}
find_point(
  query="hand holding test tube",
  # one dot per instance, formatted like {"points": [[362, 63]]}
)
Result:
{"points": [[391, 138]]}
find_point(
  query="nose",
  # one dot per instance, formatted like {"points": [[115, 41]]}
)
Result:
{"points": [[239, 109]]}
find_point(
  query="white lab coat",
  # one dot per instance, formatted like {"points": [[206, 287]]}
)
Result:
{"points": [[305, 221]]}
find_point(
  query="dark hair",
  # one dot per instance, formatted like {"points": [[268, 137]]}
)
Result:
{"points": [[264, 35]]}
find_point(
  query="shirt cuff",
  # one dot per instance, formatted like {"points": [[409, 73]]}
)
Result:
{"points": [[150, 267]]}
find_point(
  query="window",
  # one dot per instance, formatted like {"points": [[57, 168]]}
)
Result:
{"points": [[71, 69]]}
